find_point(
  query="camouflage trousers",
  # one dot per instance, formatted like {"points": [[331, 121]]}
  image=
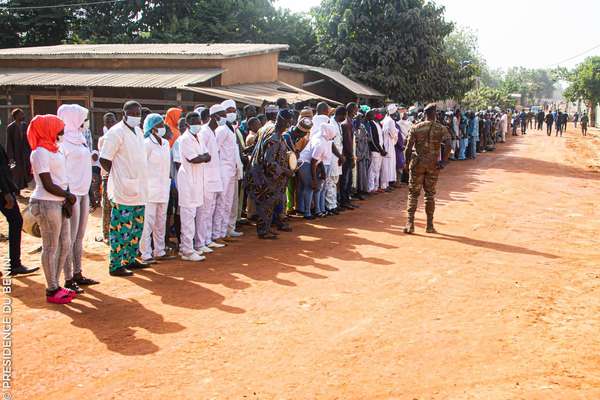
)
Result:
{"points": [[422, 177]]}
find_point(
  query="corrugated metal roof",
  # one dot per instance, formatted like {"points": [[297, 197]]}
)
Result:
{"points": [[353, 86], [256, 94], [143, 78], [146, 50]]}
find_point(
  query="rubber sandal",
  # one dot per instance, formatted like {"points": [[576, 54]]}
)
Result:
{"points": [[59, 297]]}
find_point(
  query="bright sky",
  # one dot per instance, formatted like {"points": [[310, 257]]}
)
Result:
{"points": [[530, 33]]}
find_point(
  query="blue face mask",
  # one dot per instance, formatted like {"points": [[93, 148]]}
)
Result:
{"points": [[195, 129]]}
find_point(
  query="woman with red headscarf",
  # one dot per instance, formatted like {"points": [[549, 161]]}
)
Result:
{"points": [[50, 203], [172, 121]]}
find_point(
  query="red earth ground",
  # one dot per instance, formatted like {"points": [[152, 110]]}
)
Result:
{"points": [[502, 304]]}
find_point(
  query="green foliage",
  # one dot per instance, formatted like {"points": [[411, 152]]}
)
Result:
{"points": [[584, 81], [480, 99], [395, 46]]}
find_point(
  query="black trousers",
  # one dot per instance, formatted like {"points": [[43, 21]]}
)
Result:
{"points": [[346, 183], [15, 223]]}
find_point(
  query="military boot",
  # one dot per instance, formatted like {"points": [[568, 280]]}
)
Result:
{"points": [[430, 227], [410, 225]]}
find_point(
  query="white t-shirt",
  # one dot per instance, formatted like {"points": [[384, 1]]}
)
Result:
{"points": [[43, 161], [190, 177], [336, 168], [127, 181], [212, 174], [79, 167], [315, 149], [158, 159], [390, 136]]}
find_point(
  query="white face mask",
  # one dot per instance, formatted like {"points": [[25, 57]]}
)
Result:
{"points": [[161, 131], [133, 121], [86, 124], [195, 129], [231, 117], [221, 121]]}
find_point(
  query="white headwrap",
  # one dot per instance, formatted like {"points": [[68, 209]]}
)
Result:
{"points": [[228, 104], [392, 108], [217, 108], [73, 115]]}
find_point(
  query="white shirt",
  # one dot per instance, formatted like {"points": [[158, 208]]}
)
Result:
{"points": [[318, 120], [212, 173], [100, 143], [158, 161], [127, 181], [336, 168], [405, 126], [79, 167], [315, 149], [43, 161], [227, 152], [390, 136], [190, 177]]}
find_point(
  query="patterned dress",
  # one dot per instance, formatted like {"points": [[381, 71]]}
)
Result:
{"points": [[267, 178]]}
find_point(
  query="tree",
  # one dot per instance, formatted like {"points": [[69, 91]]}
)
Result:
{"points": [[463, 62], [395, 46], [584, 84], [482, 98]]}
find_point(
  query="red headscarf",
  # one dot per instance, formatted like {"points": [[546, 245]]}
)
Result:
{"points": [[172, 121], [43, 132]]}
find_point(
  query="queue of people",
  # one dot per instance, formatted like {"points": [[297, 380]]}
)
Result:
{"points": [[180, 184]]}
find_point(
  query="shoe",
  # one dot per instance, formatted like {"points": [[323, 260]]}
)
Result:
{"points": [[430, 229], [83, 281], [409, 228], [267, 236], [22, 270], [148, 261], [59, 296], [334, 211], [309, 217], [235, 234], [284, 228], [193, 257], [205, 249], [138, 265], [215, 245], [72, 285], [121, 272], [165, 257]]}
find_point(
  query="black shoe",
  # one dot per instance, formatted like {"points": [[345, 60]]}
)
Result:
{"points": [[22, 270], [138, 265], [334, 211], [121, 272], [83, 281], [71, 284], [284, 228], [309, 217]]}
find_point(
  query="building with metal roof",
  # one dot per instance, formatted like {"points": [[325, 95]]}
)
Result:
{"points": [[102, 77], [328, 83]]}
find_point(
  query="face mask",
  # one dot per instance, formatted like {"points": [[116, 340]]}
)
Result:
{"points": [[86, 124], [133, 121], [195, 129], [161, 131], [231, 117], [221, 121]]}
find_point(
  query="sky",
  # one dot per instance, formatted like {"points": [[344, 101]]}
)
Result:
{"points": [[529, 33]]}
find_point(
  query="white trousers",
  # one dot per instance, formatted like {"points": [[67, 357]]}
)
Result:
{"points": [[374, 171], [236, 208], [155, 220], [204, 221], [189, 221], [331, 191], [224, 203]]}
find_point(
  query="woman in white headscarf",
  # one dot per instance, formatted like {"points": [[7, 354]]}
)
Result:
{"points": [[79, 177]]}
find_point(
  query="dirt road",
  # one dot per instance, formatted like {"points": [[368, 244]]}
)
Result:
{"points": [[503, 304]]}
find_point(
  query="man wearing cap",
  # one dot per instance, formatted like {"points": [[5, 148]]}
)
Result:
{"points": [[268, 176], [422, 153], [296, 140], [271, 111], [225, 216], [213, 182]]}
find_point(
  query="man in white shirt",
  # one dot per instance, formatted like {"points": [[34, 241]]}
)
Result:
{"points": [[193, 157], [390, 137], [231, 173], [123, 157], [205, 239], [338, 159]]}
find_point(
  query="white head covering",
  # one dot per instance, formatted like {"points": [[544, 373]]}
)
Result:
{"points": [[228, 104], [392, 108], [199, 110], [73, 115], [217, 108]]}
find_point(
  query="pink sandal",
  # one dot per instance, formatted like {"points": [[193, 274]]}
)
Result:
{"points": [[61, 296]]}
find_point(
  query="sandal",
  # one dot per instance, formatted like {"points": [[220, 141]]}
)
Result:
{"points": [[83, 281]]}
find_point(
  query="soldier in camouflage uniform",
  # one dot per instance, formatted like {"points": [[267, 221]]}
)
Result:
{"points": [[422, 155]]}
